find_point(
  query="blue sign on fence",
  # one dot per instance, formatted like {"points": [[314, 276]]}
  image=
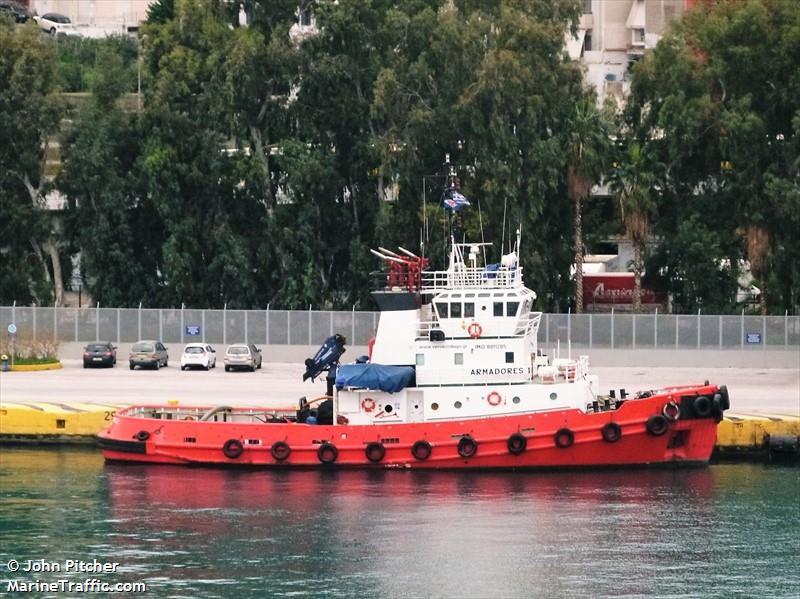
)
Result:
{"points": [[753, 338], [192, 329]]}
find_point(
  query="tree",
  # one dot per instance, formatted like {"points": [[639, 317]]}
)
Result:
{"points": [[634, 181], [718, 98], [29, 114], [588, 146], [110, 221]]}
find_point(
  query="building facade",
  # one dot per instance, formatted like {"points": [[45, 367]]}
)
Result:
{"points": [[612, 34], [101, 15]]}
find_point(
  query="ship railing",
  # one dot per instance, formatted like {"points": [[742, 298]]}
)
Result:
{"points": [[561, 370], [462, 277], [241, 414], [526, 326]]}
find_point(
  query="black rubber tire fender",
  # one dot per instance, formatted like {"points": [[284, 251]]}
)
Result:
{"points": [[280, 451], [517, 444], [612, 432], [327, 453], [564, 438], [375, 452], [702, 406], [467, 447], [421, 450], [657, 425], [233, 448]]}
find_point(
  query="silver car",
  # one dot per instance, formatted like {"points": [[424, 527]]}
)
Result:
{"points": [[152, 354], [241, 355]]}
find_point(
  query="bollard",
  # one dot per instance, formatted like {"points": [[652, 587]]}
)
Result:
{"points": [[4, 363]]}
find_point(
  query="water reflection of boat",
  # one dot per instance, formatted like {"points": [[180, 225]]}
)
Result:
{"points": [[456, 380]]}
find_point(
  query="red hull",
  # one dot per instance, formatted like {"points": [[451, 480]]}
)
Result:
{"points": [[688, 440]]}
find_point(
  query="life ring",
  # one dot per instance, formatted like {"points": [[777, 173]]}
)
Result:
{"points": [[375, 452], [475, 330], [421, 450], [494, 398], [517, 443], [233, 448], [671, 411], [368, 404], [701, 406], [611, 432], [327, 453], [142, 436], [467, 447], [657, 425], [280, 450], [564, 438]]}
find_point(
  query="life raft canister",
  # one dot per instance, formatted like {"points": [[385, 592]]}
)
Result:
{"points": [[564, 438], [233, 448], [475, 330], [327, 453], [467, 447], [657, 425], [517, 443], [421, 450], [280, 450], [494, 398], [611, 432], [368, 404], [375, 452]]}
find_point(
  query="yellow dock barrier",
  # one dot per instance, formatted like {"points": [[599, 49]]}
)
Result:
{"points": [[742, 432], [52, 422]]}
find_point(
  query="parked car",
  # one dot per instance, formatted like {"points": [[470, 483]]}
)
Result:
{"points": [[17, 12], [200, 355], [56, 24], [99, 353], [240, 355], [152, 354]]}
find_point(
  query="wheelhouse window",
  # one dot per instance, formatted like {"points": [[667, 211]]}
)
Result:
{"points": [[442, 309], [498, 308], [469, 309], [455, 310], [511, 308]]}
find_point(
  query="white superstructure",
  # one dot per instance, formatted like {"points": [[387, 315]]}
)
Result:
{"points": [[469, 332]]}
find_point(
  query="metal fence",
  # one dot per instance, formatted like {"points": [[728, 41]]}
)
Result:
{"points": [[311, 327]]}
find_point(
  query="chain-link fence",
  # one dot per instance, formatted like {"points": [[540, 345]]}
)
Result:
{"points": [[312, 327]]}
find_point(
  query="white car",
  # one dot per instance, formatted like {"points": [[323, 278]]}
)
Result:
{"points": [[198, 355], [56, 24]]}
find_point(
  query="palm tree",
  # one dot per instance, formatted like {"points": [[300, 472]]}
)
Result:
{"points": [[633, 180], [587, 153]]}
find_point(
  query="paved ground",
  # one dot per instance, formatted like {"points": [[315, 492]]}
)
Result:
{"points": [[280, 385]]}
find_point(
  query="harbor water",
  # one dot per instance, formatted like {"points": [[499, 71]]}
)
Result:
{"points": [[729, 530]]}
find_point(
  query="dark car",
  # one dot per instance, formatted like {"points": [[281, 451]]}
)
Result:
{"points": [[19, 13], [152, 354], [99, 353]]}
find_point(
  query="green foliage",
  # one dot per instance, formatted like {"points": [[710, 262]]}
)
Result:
{"points": [[29, 111], [716, 101], [81, 61]]}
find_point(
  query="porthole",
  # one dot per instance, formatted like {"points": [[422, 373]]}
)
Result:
{"points": [[434, 406], [515, 399], [457, 404], [388, 408], [554, 395]]}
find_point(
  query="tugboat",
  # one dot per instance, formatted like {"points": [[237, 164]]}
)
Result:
{"points": [[455, 380]]}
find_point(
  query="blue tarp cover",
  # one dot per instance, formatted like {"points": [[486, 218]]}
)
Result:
{"points": [[375, 376]]}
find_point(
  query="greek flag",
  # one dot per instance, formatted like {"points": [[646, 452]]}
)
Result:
{"points": [[454, 200]]}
